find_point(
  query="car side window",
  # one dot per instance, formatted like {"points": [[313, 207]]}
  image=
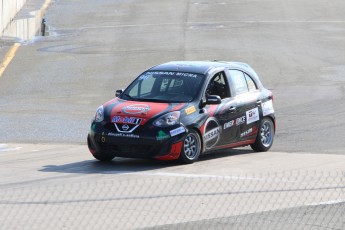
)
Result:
{"points": [[218, 86], [250, 83], [239, 81]]}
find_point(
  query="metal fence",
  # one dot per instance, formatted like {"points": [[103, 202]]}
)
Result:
{"points": [[287, 200]]}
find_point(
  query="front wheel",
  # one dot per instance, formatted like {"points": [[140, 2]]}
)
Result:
{"points": [[95, 153], [264, 139], [102, 157], [191, 148]]}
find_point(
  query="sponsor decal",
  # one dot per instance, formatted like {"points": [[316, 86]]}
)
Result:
{"points": [[177, 131], [167, 73], [162, 135], [161, 73], [247, 132], [93, 127], [267, 108], [212, 132], [129, 135], [136, 109], [190, 110], [229, 124], [186, 74], [126, 120], [252, 115], [240, 120], [126, 124], [144, 77]]}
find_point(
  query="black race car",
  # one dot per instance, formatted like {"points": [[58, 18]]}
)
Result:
{"points": [[179, 110]]}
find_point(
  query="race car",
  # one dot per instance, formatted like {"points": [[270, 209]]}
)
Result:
{"points": [[182, 109]]}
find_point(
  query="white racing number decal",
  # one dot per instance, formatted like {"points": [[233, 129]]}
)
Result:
{"points": [[252, 115], [212, 132], [177, 131], [267, 108]]}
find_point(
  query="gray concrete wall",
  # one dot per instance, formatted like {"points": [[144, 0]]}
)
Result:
{"points": [[8, 10], [24, 28]]}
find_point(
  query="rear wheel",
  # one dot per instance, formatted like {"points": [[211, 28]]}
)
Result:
{"points": [[264, 139], [191, 148]]}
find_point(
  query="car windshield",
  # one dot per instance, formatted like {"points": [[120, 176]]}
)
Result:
{"points": [[164, 86]]}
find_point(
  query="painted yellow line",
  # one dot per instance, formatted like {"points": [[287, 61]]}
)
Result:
{"points": [[8, 58], [45, 6]]}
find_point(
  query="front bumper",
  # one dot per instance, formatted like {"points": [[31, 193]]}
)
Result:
{"points": [[148, 143]]}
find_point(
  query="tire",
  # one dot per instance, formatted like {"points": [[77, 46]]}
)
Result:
{"points": [[191, 148], [95, 153], [264, 139], [102, 157]]}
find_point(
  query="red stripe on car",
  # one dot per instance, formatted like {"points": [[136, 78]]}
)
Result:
{"points": [[174, 153]]}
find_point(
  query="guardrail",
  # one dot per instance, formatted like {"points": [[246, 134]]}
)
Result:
{"points": [[8, 10]]}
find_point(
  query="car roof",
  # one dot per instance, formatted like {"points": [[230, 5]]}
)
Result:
{"points": [[202, 67]]}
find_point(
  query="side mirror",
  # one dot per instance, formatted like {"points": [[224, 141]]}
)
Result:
{"points": [[118, 92], [213, 100]]}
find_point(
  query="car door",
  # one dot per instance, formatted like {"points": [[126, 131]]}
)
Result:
{"points": [[247, 98], [225, 115]]}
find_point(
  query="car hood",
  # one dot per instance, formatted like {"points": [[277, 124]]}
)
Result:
{"points": [[139, 109]]}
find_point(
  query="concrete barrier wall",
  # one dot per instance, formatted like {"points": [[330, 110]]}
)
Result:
{"points": [[25, 28], [8, 10]]}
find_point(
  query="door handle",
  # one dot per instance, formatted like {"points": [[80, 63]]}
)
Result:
{"points": [[232, 109]]}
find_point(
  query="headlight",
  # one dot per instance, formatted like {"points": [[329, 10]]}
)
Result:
{"points": [[99, 114], [168, 119]]}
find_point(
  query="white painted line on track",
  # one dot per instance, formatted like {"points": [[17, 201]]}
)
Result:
{"points": [[203, 23], [185, 175], [328, 202], [3, 148], [199, 176]]}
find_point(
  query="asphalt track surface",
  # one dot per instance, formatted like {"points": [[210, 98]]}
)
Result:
{"points": [[51, 89]]}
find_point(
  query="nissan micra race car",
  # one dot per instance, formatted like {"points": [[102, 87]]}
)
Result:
{"points": [[180, 110]]}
